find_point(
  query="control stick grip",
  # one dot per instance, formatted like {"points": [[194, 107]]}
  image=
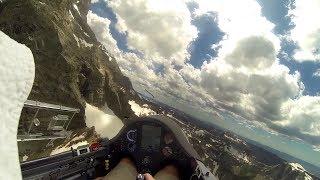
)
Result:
{"points": [[140, 177]]}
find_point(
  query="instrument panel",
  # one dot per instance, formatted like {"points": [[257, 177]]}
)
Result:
{"points": [[151, 146]]}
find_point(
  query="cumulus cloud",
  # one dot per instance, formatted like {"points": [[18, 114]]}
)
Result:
{"points": [[239, 20], [100, 27], [307, 30], [253, 52], [246, 77], [156, 28], [302, 115], [316, 74], [250, 79]]}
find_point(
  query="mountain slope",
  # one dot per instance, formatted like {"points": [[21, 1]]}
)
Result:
{"points": [[72, 67]]}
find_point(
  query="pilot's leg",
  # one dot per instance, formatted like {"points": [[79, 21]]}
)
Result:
{"points": [[125, 170], [167, 173]]}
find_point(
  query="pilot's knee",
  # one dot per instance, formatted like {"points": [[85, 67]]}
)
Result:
{"points": [[170, 169], [125, 169], [169, 172], [127, 161]]}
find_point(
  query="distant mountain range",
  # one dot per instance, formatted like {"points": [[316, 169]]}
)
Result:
{"points": [[315, 170], [237, 157]]}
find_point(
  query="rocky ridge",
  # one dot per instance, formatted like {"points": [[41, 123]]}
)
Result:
{"points": [[72, 67]]}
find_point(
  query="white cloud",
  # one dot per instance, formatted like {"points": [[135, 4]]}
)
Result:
{"points": [[246, 77], [254, 52], [160, 29], [105, 122], [303, 115], [251, 79], [316, 73], [316, 148], [121, 25], [307, 30], [239, 20], [100, 27]]}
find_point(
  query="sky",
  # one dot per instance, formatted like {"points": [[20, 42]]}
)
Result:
{"points": [[258, 59]]}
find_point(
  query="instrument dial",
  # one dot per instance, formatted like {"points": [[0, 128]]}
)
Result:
{"points": [[132, 135]]}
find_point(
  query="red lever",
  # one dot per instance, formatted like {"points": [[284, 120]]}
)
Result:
{"points": [[95, 146]]}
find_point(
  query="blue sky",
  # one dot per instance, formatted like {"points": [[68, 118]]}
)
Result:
{"points": [[209, 34], [276, 11], [206, 54], [100, 8]]}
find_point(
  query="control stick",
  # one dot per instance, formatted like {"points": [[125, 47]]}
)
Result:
{"points": [[140, 177]]}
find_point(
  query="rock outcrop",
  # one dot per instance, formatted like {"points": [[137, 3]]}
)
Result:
{"points": [[72, 67]]}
